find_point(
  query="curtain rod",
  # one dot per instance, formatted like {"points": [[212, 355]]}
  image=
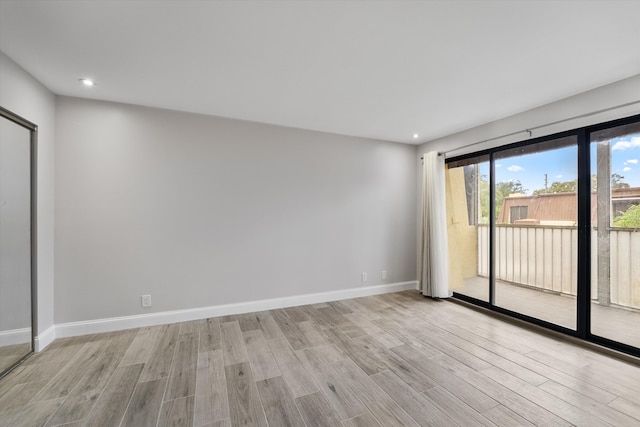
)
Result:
{"points": [[531, 129]]}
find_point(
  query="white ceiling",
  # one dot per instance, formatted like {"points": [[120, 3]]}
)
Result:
{"points": [[378, 69]]}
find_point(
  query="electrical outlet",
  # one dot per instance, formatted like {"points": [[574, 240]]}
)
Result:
{"points": [[146, 300], [383, 275], [364, 276]]}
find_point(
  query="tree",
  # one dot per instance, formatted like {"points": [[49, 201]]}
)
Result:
{"points": [[629, 219], [571, 186], [484, 199], [558, 187], [504, 189], [616, 181]]}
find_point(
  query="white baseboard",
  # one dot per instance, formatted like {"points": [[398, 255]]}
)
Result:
{"points": [[21, 336], [44, 339], [15, 336], [152, 319]]}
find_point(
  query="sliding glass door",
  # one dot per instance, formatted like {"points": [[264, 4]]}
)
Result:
{"points": [[615, 239], [548, 231], [467, 194], [536, 208]]}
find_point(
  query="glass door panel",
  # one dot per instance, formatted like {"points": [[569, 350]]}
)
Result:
{"points": [[467, 193], [536, 231], [615, 236]]}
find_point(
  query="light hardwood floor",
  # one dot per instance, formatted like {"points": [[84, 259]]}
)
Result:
{"points": [[391, 360]]}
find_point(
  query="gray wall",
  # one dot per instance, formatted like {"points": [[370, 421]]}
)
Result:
{"points": [[200, 211], [605, 97], [25, 96]]}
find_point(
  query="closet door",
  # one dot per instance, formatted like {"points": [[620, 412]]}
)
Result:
{"points": [[16, 333]]}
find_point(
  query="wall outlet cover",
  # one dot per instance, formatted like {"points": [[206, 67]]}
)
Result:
{"points": [[146, 300]]}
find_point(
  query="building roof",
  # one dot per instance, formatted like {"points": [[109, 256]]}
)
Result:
{"points": [[559, 207]]}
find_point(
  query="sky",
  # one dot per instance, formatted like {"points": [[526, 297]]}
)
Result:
{"points": [[625, 154], [562, 164]]}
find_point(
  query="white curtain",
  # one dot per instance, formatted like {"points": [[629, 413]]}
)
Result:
{"points": [[434, 258]]}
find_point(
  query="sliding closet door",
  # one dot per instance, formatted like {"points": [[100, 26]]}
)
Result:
{"points": [[535, 232], [15, 242]]}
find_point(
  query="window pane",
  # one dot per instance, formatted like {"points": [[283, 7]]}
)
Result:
{"points": [[536, 230], [467, 187]]}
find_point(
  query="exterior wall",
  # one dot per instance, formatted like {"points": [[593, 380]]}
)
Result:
{"points": [[463, 259], [563, 207]]}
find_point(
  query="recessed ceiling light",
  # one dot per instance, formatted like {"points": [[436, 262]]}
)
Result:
{"points": [[87, 82], [416, 136]]}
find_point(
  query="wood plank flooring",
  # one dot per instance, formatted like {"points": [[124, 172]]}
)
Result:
{"points": [[11, 354], [389, 360]]}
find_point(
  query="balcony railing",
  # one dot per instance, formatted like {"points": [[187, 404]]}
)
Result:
{"points": [[545, 257]]}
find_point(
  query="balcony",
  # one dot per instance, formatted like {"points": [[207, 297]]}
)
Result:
{"points": [[536, 275]]}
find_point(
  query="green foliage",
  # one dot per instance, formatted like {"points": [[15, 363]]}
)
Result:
{"points": [[629, 219], [559, 187], [484, 199], [503, 189], [571, 186]]}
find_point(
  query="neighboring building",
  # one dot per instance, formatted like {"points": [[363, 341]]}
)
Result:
{"points": [[560, 208]]}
